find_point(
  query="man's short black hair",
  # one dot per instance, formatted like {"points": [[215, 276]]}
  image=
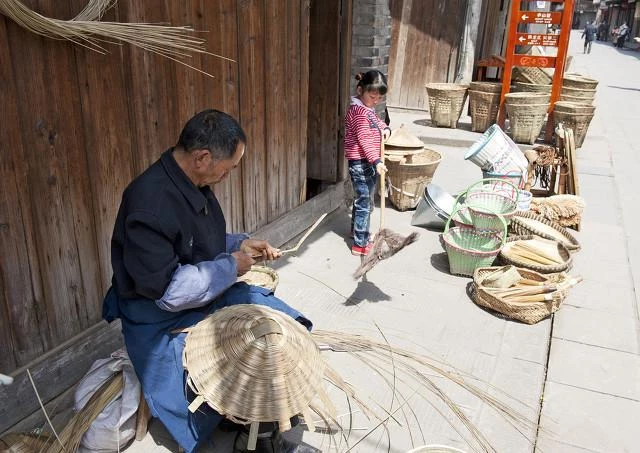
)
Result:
{"points": [[216, 131]]}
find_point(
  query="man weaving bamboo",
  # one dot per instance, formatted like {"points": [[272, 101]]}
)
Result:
{"points": [[174, 263]]}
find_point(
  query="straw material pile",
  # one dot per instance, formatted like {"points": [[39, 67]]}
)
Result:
{"points": [[88, 31], [566, 210], [252, 363]]}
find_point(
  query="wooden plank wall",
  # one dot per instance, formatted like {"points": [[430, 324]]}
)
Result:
{"points": [[425, 40], [77, 126]]}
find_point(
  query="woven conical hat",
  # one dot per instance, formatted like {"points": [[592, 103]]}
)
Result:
{"points": [[401, 137], [253, 364]]}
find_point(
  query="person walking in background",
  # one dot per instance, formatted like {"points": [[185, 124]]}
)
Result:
{"points": [[603, 31], [589, 34], [364, 133], [623, 30]]}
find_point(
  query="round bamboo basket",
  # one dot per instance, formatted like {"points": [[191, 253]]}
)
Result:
{"points": [[532, 87], [446, 101], [526, 121], [531, 75], [484, 108], [527, 98], [409, 175], [578, 100], [526, 312], [579, 122], [573, 107], [261, 276], [578, 92], [508, 258], [579, 81], [526, 223], [486, 87], [252, 363]]}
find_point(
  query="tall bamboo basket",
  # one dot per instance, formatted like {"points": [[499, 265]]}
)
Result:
{"points": [[445, 103], [526, 121], [579, 122], [484, 108], [409, 175]]}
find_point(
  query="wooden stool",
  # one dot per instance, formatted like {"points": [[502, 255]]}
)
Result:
{"points": [[494, 61]]}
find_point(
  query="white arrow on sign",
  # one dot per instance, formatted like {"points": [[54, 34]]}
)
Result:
{"points": [[521, 38], [525, 17]]}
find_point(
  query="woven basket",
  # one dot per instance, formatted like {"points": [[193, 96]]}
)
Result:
{"points": [[527, 98], [531, 75], [578, 92], [408, 177], [470, 248], [526, 121], [573, 107], [578, 100], [532, 87], [579, 81], [484, 108], [579, 122], [261, 276], [524, 223], [515, 178], [506, 258], [252, 364], [486, 87], [527, 312], [486, 207], [446, 101]]}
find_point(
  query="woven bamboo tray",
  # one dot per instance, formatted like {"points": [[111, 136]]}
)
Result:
{"points": [[505, 257], [524, 223], [261, 276], [527, 312]]}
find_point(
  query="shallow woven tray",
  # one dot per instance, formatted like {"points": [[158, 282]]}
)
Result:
{"points": [[520, 227], [527, 312], [261, 276], [507, 258]]}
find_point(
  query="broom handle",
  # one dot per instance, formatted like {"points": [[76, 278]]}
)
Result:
{"points": [[383, 178]]}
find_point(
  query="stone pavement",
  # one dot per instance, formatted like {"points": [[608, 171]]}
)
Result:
{"points": [[577, 374]]}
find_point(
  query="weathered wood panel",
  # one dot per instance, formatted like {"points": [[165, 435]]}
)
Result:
{"points": [[251, 60], [56, 186], [78, 126], [426, 36], [324, 88]]}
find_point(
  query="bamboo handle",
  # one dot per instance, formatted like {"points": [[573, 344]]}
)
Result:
{"points": [[536, 298], [383, 177]]}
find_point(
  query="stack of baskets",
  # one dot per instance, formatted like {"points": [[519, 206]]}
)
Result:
{"points": [[470, 247], [527, 112], [484, 103], [531, 75], [575, 108], [446, 101]]}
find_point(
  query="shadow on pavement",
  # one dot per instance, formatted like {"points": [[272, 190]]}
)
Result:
{"points": [[366, 291]]}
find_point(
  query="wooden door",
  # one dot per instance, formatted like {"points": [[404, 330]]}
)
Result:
{"points": [[425, 38]]}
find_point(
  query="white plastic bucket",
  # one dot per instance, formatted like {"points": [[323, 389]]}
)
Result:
{"points": [[495, 151]]}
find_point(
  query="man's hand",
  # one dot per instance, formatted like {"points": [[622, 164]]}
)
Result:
{"points": [[260, 248], [243, 262]]}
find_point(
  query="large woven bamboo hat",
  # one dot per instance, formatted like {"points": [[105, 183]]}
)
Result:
{"points": [[254, 364], [402, 138]]}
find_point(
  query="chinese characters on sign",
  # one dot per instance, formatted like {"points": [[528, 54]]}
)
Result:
{"points": [[527, 39], [530, 17]]}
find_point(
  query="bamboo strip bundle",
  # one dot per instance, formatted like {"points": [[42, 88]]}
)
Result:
{"points": [[86, 30]]}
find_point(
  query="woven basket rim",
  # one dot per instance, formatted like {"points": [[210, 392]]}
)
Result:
{"points": [[264, 270], [478, 253], [574, 244], [539, 268]]}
